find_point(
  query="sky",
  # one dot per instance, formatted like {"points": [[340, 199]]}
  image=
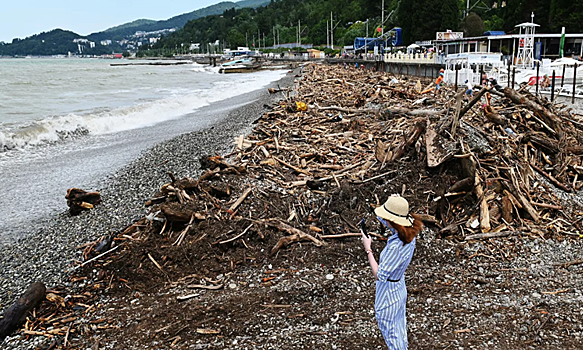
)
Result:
{"points": [[20, 19]]}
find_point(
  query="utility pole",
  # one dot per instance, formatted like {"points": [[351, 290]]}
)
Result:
{"points": [[383, 18], [259, 37], [327, 35], [274, 37], [332, 31], [366, 39], [299, 33], [246, 41]]}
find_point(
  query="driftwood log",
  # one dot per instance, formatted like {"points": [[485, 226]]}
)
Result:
{"points": [[16, 314], [296, 235], [181, 213], [409, 139], [551, 119], [79, 200]]}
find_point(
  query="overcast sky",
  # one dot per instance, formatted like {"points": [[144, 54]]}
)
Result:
{"points": [[19, 19]]}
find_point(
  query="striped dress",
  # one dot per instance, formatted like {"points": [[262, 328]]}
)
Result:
{"points": [[391, 292]]}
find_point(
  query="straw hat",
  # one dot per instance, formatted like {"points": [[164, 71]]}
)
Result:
{"points": [[395, 209]]}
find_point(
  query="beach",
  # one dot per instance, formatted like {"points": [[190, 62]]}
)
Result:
{"points": [[270, 255], [46, 251]]}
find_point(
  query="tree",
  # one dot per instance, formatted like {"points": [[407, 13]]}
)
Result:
{"points": [[473, 25], [494, 23], [450, 14], [566, 13]]}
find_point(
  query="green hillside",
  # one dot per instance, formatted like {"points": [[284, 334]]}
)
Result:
{"points": [[144, 25], [133, 24], [419, 20], [54, 42], [60, 42]]}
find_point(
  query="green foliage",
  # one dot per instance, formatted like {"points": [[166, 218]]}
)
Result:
{"points": [[494, 23], [473, 25], [55, 42], [133, 25], [356, 30], [420, 19], [241, 23], [567, 13], [125, 30], [242, 27]]}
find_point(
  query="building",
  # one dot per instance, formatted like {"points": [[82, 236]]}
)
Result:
{"points": [[105, 42], [545, 45], [313, 53]]}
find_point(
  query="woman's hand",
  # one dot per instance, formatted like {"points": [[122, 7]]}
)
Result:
{"points": [[366, 241]]}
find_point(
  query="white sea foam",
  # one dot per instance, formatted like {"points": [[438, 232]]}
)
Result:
{"points": [[203, 68], [105, 121]]}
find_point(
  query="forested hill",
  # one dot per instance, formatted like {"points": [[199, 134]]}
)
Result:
{"points": [[419, 19], [55, 42], [145, 25]]}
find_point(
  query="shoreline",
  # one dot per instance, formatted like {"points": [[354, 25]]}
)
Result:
{"points": [[45, 251]]}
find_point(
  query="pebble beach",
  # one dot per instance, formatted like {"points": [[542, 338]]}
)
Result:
{"points": [[46, 252], [516, 292]]}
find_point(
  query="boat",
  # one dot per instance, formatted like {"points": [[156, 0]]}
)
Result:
{"points": [[239, 66]]}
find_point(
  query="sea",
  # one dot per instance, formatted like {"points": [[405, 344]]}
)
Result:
{"points": [[71, 122]]}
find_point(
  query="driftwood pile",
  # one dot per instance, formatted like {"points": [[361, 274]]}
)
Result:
{"points": [[511, 158], [497, 164]]}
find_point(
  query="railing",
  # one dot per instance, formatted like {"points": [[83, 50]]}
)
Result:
{"points": [[399, 57]]}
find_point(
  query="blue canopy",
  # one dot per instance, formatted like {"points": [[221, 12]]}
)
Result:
{"points": [[494, 32]]}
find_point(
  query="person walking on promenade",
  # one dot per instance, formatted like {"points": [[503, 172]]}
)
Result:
{"points": [[391, 292]]}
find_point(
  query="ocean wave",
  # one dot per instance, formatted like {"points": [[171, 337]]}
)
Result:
{"points": [[203, 68], [101, 121]]}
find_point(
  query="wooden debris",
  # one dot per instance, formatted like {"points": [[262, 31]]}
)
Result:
{"points": [[16, 314], [79, 200]]}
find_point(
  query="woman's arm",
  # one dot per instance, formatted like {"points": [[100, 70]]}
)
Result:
{"points": [[367, 241]]}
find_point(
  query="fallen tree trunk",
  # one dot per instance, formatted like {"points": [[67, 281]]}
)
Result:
{"points": [[16, 314]]}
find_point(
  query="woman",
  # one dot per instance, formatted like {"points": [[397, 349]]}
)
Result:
{"points": [[391, 292]]}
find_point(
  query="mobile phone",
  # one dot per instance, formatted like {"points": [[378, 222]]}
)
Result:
{"points": [[363, 227]]}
